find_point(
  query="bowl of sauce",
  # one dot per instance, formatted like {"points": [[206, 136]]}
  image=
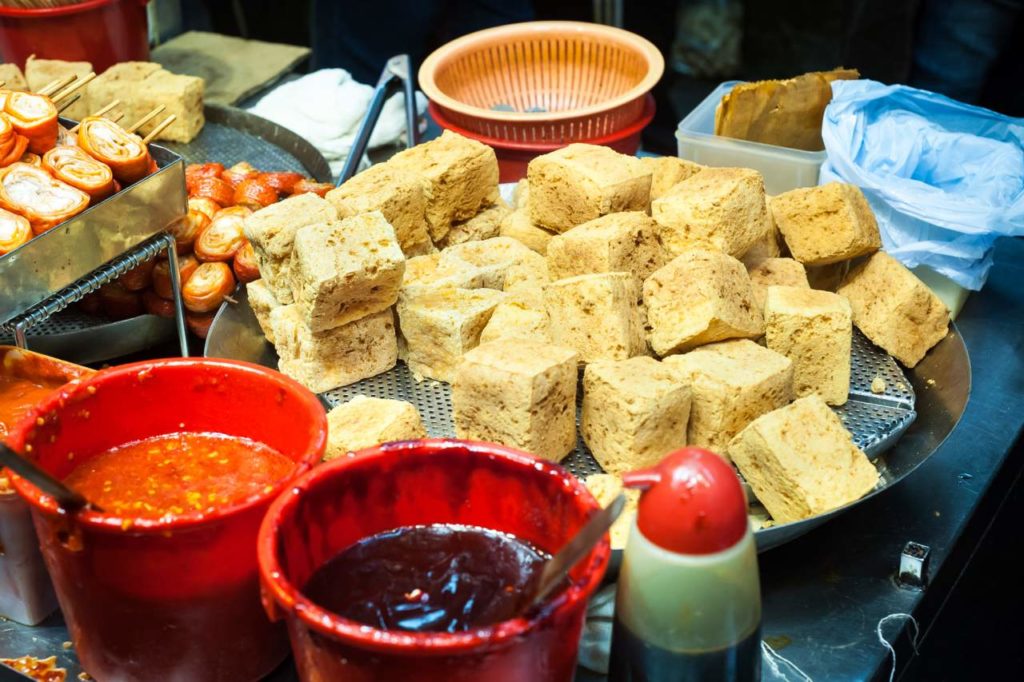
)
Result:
{"points": [[26, 593], [183, 457], [417, 560]]}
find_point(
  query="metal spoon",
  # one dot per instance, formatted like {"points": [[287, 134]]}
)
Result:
{"points": [[68, 499], [556, 570]]}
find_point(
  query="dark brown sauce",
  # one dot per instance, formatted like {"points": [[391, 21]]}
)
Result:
{"points": [[435, 578]]}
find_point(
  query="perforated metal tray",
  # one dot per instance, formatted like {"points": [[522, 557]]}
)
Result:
{"points": [[875, 420]]}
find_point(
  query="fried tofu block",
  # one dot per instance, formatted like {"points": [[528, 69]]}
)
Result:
{"points": [[13, 79], [493, 257], [518, 393], [262, 302], [441, 326], [635, 412], [775, 272], [345, 270], [731, 383], [518, 226], [396, 193], [580, 182], [700, 297], [605, 488], [522, 315], [272, 231], [337, 357], [719, 208], [618, 242], [800, 461], [814, 329], [894, 308], [826, 224], [667, 172], [364, 422], [597, 315], [459, 176], [143, 86], [426, 273], [484, 225]]}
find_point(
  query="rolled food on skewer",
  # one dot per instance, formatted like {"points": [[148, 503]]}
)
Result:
{"points": [[155, 305], [222, 239], [244, 265], [106, 141], [254, 193], [35, 117], [204, 205], [12, 144], [162, 275], [206, 288], [78, 169], [214, 189], [44, 200], [187, 229], [15, 230]]}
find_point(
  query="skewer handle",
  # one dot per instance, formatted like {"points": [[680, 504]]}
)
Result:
{"points": [[81, 82], [159, 128], [146, 119]]}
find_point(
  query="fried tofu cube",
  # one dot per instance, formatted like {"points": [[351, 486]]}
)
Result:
{"points": [[518, 226], [484, 225], [521, 194], [580, 182], [459, 176], [894, 308], [732, 383], [493, 257], [262, 302], [396, 193], [775, 272], [768, 245], [814, 329], [667, 172], [143, 86], [619, 242], [364, 422], [635, 412], [42, 72], [518, 393], [826, 224], [719, 208], [337, 357], [801, 462], [522, 315], [346, 270], [429, 272], [14, 79], [272, 231], [700, 297], [605, 488], [441, 326], [597, 315]]}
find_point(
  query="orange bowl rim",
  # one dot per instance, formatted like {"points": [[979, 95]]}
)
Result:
{"points": [[655, 64]]}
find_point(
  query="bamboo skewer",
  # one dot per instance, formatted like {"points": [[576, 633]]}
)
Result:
{"points": [[116, 117], [102, 111], [3, 83], [146, 119], [159, 129], [74, 86], [65, 105], [57, 84]]}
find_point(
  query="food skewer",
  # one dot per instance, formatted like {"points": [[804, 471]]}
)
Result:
{"points": [[74, 86], [116, 117], [68, 103], [3, 83], [160, 128], [57, 84], [103, 110], [145, 119]]}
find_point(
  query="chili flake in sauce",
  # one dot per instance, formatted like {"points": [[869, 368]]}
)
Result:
{"points": [[178, 473]]}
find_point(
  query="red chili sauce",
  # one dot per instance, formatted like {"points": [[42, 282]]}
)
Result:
{"points": [[179, 473], [18, 396], [39, 669]]}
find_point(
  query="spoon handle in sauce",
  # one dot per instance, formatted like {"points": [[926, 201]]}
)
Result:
{"points": [[556, 570], [68, 499]]}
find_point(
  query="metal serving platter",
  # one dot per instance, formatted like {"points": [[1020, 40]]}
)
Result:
{"points": [[899, 428], [75, 248]]}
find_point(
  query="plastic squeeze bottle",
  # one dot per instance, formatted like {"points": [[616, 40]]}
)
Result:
{"points": [[689, 600]]}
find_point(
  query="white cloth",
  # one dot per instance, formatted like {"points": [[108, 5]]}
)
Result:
{"points": [[327, 106]]}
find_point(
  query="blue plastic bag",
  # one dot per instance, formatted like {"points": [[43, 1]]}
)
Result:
{"points": [[945, 179]]}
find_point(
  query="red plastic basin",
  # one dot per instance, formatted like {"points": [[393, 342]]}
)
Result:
{"points": [[514, 157], [425, 482], [103, 32], [157, 599]]}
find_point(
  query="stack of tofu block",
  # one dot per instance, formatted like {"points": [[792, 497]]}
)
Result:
{"points": [[699, 310]]}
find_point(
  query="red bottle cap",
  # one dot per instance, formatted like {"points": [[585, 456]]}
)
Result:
{"points": [[692, 503]]}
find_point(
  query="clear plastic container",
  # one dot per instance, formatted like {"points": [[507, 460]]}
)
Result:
{"points": [[783, 168]]}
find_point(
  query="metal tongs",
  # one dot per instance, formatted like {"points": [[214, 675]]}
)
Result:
{"points": [[395, 73]]}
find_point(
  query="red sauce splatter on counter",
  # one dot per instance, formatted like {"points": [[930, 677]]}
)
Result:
{"points": [[41, 669], [178, 473]]}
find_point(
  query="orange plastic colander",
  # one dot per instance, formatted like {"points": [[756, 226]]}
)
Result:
{"points": [[543, 81]]}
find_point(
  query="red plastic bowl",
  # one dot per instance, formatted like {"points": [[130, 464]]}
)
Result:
{"points": [[514, 157], [424, 482], [102, 32], [157, 599]]}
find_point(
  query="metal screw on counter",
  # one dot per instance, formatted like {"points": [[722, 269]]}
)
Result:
{"points": [[914, 565], [689, 600]]}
